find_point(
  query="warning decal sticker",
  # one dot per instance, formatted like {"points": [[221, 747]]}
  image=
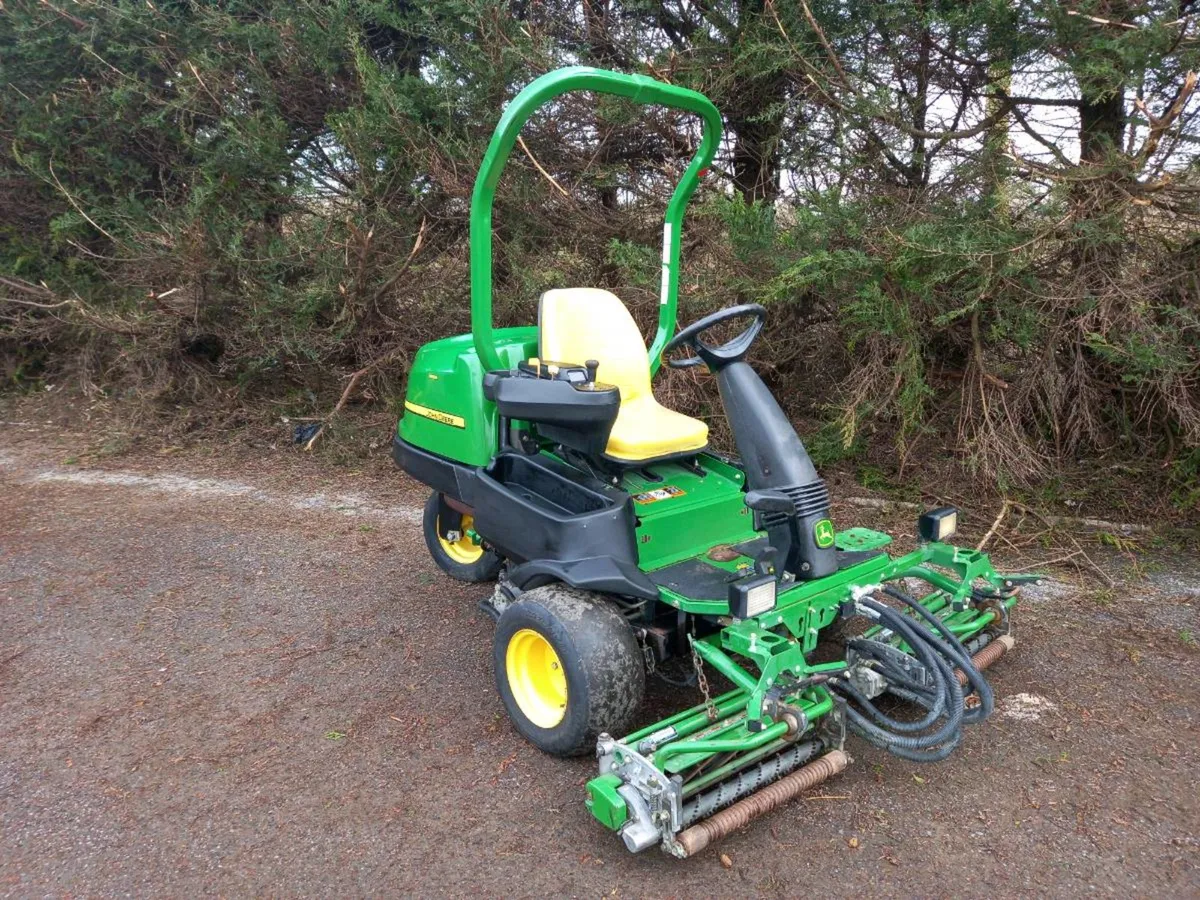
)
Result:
{"points": [[662, 493]]}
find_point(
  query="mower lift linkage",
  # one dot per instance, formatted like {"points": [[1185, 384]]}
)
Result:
{"points": [[657, 783]]}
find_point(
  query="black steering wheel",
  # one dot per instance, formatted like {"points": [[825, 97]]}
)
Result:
{"points": [[716, 358]]}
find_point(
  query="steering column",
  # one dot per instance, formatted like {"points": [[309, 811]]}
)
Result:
{"points": [[790, 500]]}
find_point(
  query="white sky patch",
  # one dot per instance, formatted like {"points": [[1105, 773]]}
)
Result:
{"points": [[666, 264]]}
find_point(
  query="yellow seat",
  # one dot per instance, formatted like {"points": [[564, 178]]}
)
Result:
{"points": [[578, 324]]}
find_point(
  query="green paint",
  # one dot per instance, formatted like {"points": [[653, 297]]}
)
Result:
{"points": [[808, 606], [862, 539], [447, 377], [691, 752], [710, 511], [605, 803], [637, 88], [801, 592], [690, 720], [823, 534], [737, 738], [775, 646]]}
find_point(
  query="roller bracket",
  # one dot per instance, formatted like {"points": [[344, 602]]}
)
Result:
{"points": [[776, 707], [831, 727], [654, 801]]}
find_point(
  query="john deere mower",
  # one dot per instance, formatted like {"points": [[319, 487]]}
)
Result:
{"points": [[620, 541]]}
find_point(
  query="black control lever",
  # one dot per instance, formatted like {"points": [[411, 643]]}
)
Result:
{"points": [[764, 560], [771, 501], [591, 365]]}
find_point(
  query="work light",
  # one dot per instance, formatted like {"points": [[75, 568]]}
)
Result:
{"points": [[937, 524], [752, 596]]}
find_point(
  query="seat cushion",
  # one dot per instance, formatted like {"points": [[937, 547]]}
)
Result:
{"points": [[645, 430], [578, 324]]}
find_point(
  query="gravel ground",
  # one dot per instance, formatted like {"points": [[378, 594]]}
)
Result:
{"points": [[245, 676]]}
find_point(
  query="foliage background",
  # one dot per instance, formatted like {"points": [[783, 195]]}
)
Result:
{"points": [[976, 224]]}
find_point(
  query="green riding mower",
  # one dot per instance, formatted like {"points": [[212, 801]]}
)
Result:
{"points": [[619, 541]]}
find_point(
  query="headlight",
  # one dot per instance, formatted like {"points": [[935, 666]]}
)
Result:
{"points": [[752, 597], [937, 524]]}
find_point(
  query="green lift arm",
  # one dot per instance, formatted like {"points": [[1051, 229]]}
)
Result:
{"points": [[637, 88]]}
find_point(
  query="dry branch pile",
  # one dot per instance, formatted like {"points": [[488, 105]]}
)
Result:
{"points": [[977, 225]]}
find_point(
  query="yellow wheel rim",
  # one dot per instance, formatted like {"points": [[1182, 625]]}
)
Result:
{"points": [[464, 550], [536, 678]]}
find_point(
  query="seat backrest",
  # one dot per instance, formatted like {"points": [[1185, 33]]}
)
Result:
{"points": [[578, 324]]}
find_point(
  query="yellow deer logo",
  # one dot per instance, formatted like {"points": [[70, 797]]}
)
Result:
{"points": [[823, 534]]}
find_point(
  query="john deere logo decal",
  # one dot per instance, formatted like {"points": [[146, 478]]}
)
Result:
{"points": [[436, 414], [823, 533]]}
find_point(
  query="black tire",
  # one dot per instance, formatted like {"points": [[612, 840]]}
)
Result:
{"points": [[605, 675], [484, 568]]}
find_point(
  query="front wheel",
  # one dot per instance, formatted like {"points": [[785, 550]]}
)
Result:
{"points": [[453, 548], [568, 668]]}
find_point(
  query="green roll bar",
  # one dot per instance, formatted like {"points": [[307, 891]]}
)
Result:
{"points": [[637, 88]]}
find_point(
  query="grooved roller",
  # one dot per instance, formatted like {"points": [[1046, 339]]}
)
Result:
{"points": [[700, 835], [988, 655]]}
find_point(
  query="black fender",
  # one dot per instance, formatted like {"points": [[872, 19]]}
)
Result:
{"points": [[454, 479], [596, 573]]}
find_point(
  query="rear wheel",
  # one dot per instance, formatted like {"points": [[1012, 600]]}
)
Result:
{"points": [[453, 549], [568, 668]]}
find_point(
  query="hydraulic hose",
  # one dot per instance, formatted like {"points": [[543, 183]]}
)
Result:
{"points": [[941, 699], [945, 688], [936, 706], [959, 655], [939, 652]]}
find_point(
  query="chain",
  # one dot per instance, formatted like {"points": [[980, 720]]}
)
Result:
{"points": [[710, 708]]}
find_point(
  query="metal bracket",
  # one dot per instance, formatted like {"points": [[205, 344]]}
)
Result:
{"points": [[779, 710], [648, 658], [861, 672], [502, 595], [995, 605], [655, 802], [831, 727]]}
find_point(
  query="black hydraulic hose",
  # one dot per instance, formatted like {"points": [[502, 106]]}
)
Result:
{"points": [[939, 744], [934, 649], [905, 746], [960, 655], [955, 645], [942, 698], [935, 708], [923, 648], [941, 626], [946, 686]]}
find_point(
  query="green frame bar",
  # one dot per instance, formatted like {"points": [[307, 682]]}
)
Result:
{"points": [[637, 88]]}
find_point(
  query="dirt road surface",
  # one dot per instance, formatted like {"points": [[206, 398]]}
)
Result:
{"points": [[246, 677]]}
